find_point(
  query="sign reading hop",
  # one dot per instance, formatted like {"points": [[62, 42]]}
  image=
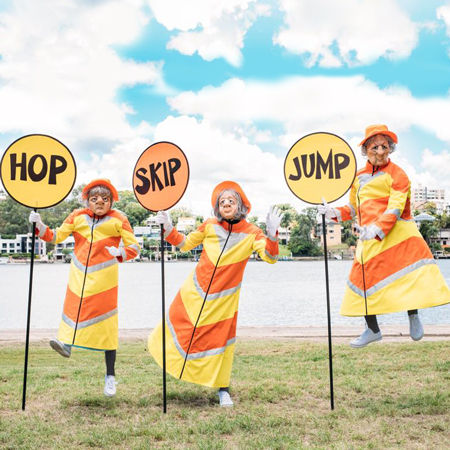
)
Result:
{"points": [[38, 171], [320, 165], [161, 176]]}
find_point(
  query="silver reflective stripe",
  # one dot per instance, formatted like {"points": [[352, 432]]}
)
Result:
{"points": [[352, 210], [234, 238], [395, 211], [391, 278], [53, 241], [94, 268], [168, 231], [42, 231], [212, 352], [367, 178], [272, 238], [135, 247], [379, 232], [123, 253], [272, 257], [216, 295], [338, 214], [181, 244], [88, 323], [406, 220]]}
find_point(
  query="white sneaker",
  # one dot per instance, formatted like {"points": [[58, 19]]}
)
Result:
{"points": [[366, 338], [63, 349], [225, 399], [415, 327], [110, 386]]}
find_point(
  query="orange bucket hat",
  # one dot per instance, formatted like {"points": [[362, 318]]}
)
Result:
{"points": [[100, 182], [227, 185], [372, 130]]}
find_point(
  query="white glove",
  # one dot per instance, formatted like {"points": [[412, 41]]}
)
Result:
{"points": [[35, 217], [326, 210], [163, 218], [366, 232], [114, 251], [273, 220]]}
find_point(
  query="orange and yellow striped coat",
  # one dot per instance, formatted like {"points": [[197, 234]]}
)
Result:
{"points": [[209, 350], [395, 271], [91, 297]]}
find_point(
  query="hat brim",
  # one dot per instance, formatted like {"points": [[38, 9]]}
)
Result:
{"points": [[392, 135], [100, 182], [226, 185]]}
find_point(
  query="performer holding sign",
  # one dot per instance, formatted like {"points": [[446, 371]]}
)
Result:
{"points": [[201, 323], [393, 269], [89, 317]]}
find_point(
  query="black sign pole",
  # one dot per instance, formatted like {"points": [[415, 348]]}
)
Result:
{"points": [[27, 343], [330, 351], [163, 320]]}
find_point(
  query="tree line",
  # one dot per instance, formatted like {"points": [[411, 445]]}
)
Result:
{"points": [[301, 225]]}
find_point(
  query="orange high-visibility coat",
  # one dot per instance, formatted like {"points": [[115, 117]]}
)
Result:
{"points": [[395, 271], [203, 333], [91, 297]]}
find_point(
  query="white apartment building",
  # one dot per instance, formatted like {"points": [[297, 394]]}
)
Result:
{"points": [[22, 244], [186, 224]]}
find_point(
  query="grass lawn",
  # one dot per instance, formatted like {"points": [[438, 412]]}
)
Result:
{"points": [[387, 396]]}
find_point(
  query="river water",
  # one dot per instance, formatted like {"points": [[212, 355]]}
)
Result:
{"points": [[284, 294]]}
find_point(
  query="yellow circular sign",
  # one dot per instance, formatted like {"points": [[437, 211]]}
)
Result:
{"points": [[320, 165], [38, 171]]}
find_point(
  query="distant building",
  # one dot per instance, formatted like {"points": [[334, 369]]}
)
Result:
{"points": [[68, 243], [443, 239], [424, 194], [22, 244], [334, 233], [186, 224]]}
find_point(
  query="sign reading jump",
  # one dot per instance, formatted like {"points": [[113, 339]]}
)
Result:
{"points": [[160, 176], [320, 165], [38, 171]]}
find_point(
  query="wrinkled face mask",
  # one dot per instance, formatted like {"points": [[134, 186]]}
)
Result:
{"points": [[228, 205], [378, 151], [99, 204]]}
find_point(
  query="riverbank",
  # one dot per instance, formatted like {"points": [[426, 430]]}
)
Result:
{"points": [[340, 334]]}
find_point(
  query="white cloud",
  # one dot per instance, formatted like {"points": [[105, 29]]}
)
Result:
{"points": [[213, 29], [342, 105], [346, 31], [59, 72]]}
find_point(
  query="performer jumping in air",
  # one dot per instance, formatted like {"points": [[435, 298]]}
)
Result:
{"points": [[201, 322], [393, 269], [89, 318]]}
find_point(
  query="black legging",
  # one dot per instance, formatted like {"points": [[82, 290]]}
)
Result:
{"points": [[110, 358], [372, 322]]}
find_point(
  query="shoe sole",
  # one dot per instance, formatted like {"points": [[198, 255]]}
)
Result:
{"points": [[417, 339], [59, 350], [109, 395], [366, 344]]}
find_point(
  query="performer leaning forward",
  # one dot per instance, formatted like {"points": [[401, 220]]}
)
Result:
{"points": [[201, 322]]}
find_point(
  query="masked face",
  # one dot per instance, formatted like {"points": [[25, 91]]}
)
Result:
{"points": [[228, 205], [99, 205], [378, 150]]}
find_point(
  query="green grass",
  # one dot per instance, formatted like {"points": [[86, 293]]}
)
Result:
{"points": [[387, 396]]}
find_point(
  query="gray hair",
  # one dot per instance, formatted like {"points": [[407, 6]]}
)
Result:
{"points": [[392, 144], [100, 191], [241, 211]]}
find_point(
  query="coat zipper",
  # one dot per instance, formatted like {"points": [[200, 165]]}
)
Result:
{"points": [[84, 279], [230, 228]]}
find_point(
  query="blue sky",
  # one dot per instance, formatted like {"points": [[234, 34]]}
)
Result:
{"points": [[234, 83]]}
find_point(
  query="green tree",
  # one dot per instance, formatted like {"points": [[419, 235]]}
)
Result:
{"points": [[429, 230], [176, 213], [301, 242], [347, 235], [13, 218]]}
